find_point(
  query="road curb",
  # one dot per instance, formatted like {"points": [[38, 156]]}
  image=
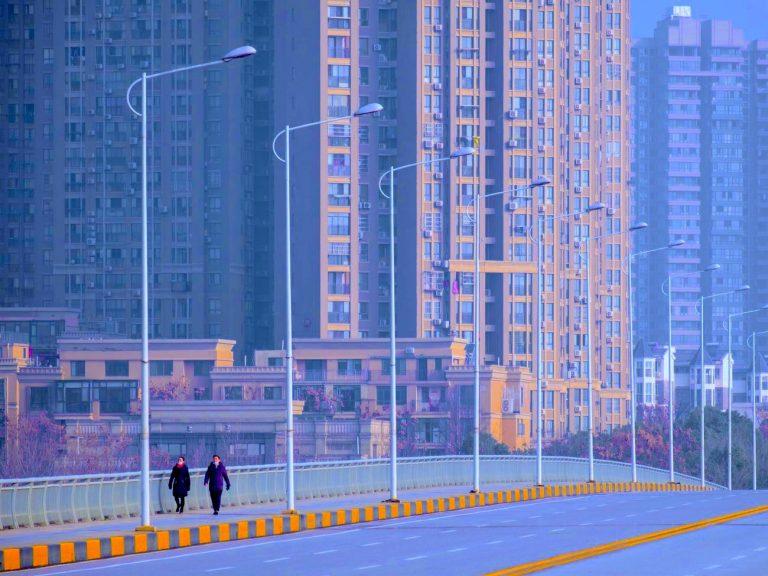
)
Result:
{"points": [[112, 546]]}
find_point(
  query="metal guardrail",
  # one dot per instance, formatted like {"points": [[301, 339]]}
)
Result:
{"points": [[72, 499]]}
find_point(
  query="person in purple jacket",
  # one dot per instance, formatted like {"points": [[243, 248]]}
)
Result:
{"points": [[215, 478]]}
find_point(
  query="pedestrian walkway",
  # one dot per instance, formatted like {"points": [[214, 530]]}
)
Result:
{"points": [[47, 534]]}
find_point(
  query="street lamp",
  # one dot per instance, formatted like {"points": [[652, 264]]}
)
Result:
{"points": [[458, 153], [540, 313], [633, 399], [671, 369], [702, 299], [730, 387], [371, 108], [753, 338], [236, 54], [541, 181], [591, 407]]}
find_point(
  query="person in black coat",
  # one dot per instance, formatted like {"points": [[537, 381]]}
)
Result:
{"points": [[215, 478], [179, 482]]}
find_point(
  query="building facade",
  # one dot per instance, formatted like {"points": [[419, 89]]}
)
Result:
{"points": [[540, 90], [699, 166], [71, 164]]}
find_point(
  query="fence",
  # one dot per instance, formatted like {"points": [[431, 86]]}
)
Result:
{"points": [[70, 499]]}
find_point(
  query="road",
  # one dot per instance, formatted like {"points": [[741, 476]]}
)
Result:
{"points": [[464, 542]]}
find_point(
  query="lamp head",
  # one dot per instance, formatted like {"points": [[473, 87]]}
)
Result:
{"points": [[638, 226], [237, 53], [711, 268], [540, 181], [676, 243], [463, 151], [596, 206], [743, 288], [371, 108]]}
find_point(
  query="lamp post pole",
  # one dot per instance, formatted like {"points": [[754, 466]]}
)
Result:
{"points": [[236, 54], [476, 318], [286, 159], [730, 387], [632, 370], [591, 407], [392, 308], [755, 386]]}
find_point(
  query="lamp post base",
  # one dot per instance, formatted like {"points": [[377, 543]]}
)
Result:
{"points": [[391, 501], [145, 528]]}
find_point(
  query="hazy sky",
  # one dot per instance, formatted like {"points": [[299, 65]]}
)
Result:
{"points": [[751, 15]]}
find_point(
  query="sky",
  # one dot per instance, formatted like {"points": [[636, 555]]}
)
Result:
{"points": [[751, 15]]}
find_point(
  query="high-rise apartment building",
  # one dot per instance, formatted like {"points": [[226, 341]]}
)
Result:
{"points": [[699, 115], [71, 161], [540, 88]]}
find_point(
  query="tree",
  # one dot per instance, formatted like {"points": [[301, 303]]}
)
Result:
{"points": [[488, 445], [33, 445], [177, 388], [406, 434]]}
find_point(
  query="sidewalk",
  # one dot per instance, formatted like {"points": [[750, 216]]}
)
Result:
{"points": [[49, 534]]}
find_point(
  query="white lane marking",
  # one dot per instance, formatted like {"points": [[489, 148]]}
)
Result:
{"points": [[451, 531], [200, 553], [440, 516], [712, 567], [534, 517], [586, 524], [557, 530], [482, 525], [609, 519], [371, 544], [369, 566], [508, 521], [495, 542], [326, 551], [557, 513], [457, 550], [739, 557], [669, 507], [412, 558], [653, 510], [759, 548], [220, 569], [277, 559], [601, 505], [630, 515], [411, 537], [581, 508], [528, 536]]}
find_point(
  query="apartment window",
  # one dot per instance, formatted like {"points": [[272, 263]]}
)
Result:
{"points": [[202, 367], [77, 368], [116, 368], [338, 282], [339, 47], [383, 396], [160, 367], [338, 17], [38, 399], [338, 224], [338, 76], [338, 105], [338, 312], [233, 393], [338, 253], [273, 393], [350, 367]]}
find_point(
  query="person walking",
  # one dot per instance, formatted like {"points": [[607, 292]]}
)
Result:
{"points": [[179, 482], [215, 478]]}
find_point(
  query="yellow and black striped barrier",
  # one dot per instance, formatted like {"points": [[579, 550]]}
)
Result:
{"points": [[41, 555]]}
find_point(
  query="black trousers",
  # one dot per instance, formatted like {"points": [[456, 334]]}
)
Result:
{"points": [[179, 502], [216, 499]]}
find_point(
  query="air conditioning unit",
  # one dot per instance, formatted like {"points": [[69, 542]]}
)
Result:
{"points": [[437, 263], [577, 299], [541, 148], [91, 285], [436, 321], [163, 209], [609, 314], [365, 205], [438, 176], [507, 407], [609, 59], [439, 292], [577, 81], [438, 145], [511, 143], [541, 91], [577, 189], [577, 327], [437, 27], [577, 409], [577, 136], [91, 111], [609, 7], [541, 121], [437, 115], [541, 209], [609, 340], [446, 324], [609, 287], [427, 144], [577, 25], [611, 211], [542, 62], [577, 53], [577, 244], [427, 233], [584, 300], [438, 203], [609, 33], [410, 350], [437, 86], [377, 47], [577, 107], [577, 216], [512, 114], [577, 162], [577, 353]]}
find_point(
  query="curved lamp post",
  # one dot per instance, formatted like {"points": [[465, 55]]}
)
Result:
{"points": [[458, 153], [236, 54], [371, 108]]}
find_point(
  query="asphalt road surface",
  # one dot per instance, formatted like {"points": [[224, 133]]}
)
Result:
{"points": [[480, 540]]}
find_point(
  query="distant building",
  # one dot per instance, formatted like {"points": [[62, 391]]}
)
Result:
{"points": [[700, 170]]}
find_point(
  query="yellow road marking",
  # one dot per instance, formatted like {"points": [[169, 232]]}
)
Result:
{"points": [[570, 557]]}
